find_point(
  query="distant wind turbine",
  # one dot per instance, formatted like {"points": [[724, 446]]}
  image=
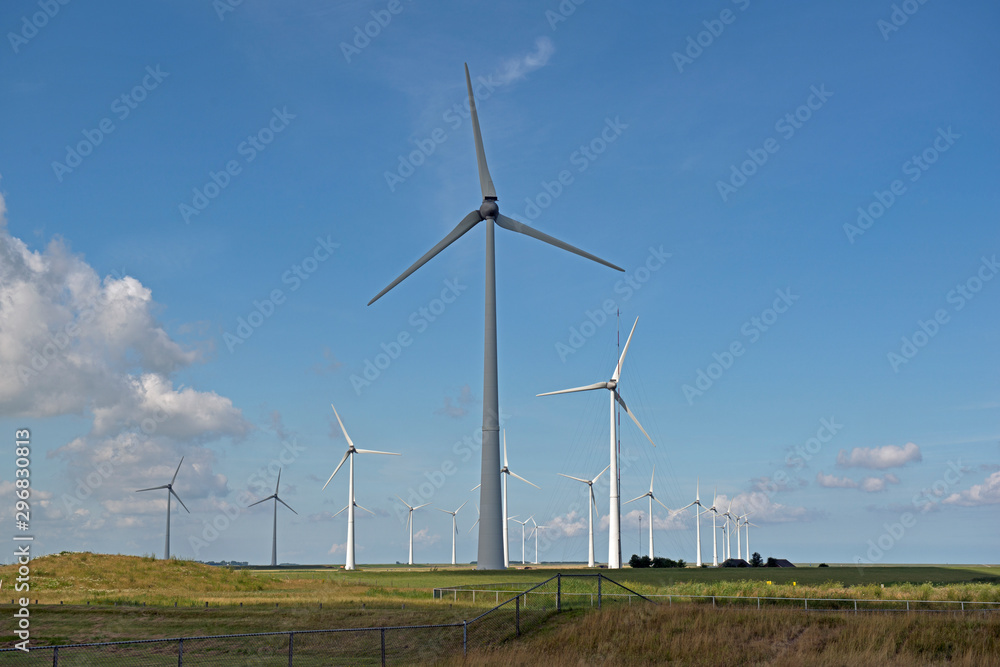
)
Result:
{"points": [[535, 531], [651, 497], [697, 517], [409, 524], [523, 524], [492, 549], [591, 509], [715, 544], [170, 492], [454, 527], [274, 541], [614, 525], [349, 563]]}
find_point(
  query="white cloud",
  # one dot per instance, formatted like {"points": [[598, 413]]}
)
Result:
{"points": [[987, 493], [879, 458], [762, 507], [518, 68], [834, 482], [567, 525], [424, 537], [868, 484]]}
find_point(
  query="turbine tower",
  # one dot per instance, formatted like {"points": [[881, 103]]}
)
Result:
{"points": [[651, 497], [349, 563], [409, 523], [523, 524], [454, 527], [170, 492], [697, 518], [715, 543], [535, 531], [729, 540], [506, 472], [614, 526], [591, 508], [274, 540], [492, 553]]}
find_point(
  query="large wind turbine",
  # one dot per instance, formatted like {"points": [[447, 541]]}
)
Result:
{"points": [[651, 497], [697, 517], [492, 553], [409, 524], [715, 543], [591, 508], [351, 504], [506, 472], [274, 541], [523, 524], [614, 523], [728, 548], [170, 492], [454, 527]]}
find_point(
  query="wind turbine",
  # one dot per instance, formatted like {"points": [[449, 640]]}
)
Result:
{"points": [[591, 508], [170, 492], [506, 472], [614, 524], [535, 531], [747, 523], [729, 538], [492, 551], [697, 517], [715, 544], [409, 523], [349, 563], [651, 499], [454, 527], [274, 541], [523, 524]]}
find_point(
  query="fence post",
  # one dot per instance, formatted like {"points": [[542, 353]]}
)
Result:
{"points": [[517, 615], [600, 577], [855, 606], [713, 600], [55, 657], [382, 633], [758, 602], [670, 600], [963, 606], [291, 638], [559, 591], [180, 653], [465, 637], [806, 600], [907, 605]]}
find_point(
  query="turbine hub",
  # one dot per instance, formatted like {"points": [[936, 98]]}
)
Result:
{"points": [[612, 384], [489, 209]]}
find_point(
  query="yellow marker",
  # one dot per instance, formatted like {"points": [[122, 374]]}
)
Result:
{"points": [[769, 583], [793, 583]]}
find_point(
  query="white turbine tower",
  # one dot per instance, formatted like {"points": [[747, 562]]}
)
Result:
{"points": [[614, 525], [697, 518], [454, 527], [715, 543], [523, 524], [170, 492], [535, 531], [274, 540], [349, 563], [506, 472], [729, 538], [409, 523], [591, 508], [747, 524], [651, 497]]}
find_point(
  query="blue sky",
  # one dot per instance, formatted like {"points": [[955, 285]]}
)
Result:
{"points": [[809, 186]]}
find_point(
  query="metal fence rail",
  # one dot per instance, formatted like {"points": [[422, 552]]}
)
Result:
{"points": [[520, 611]]}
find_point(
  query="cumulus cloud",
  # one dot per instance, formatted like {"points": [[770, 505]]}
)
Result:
{"points": [[764, 509], [834, 482], [74, 343], [879, 458], [868, 484], [567, 525], [987, 493], [518, 68], [424, 537]]}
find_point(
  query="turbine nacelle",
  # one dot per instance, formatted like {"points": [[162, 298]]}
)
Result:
{"points": [[489, 209]]}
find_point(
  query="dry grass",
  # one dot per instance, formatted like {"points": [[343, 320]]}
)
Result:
{"points": [[646, 635]]}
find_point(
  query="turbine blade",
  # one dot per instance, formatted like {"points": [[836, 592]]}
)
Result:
{"points": [[476, 486], [524, 480], [461, 506], [594, 481], [153, 488], [364, 508], [596, 385], [473, 527], [278, 483], [485, 182], [662, 505], [621, 360], [521, 228], [404, 502], [372, 451], [468, 222], [346, 454], [585, 481], [285, 504], [259, 502], [180, 501], [441, 510], [634, 499], [338, 513], [419, 506], [593, 500], [339, 421], [505, 448], [651, 478], [685, 507], [621, 402], [176, 471]]}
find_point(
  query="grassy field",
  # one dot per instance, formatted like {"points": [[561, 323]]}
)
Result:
{"points": [[90, 585]]}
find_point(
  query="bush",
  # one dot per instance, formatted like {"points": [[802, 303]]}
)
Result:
{"points": [[639, 561], [823, 565]]}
